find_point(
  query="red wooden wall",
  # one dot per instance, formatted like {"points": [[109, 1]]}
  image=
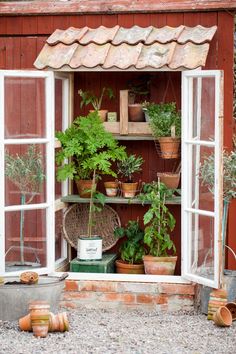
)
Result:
{"points": [[22, 37]]}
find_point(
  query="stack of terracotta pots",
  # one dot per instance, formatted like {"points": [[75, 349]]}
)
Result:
{"points": [[41, 321]]}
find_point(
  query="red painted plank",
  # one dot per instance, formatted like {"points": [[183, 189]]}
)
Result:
{"points": [[126, 20], [45, 25], [3, 25], [29, 25], [76, 21], [28, 52], [93, 21], [158, 20], [60, 22], [174, 20], [142, 20], [14, 25], [191, 19], [208, 19], [109, 20], [112, 6], [2, 53], [13, 53]]}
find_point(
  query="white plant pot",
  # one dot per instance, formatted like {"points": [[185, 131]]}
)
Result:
{"points": [[89, 248]]}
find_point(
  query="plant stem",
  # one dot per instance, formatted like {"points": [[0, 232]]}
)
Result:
{"points": [[22, 227], [90, 220]]}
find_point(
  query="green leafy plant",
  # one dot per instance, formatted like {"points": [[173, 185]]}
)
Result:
{"points": [[128, 166], [158, 220], [163, 117], [25, 171], [132, 249], [89, 97], [207, 174], [87, 147]]}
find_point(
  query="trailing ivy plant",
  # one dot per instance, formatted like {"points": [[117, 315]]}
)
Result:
{"points": [[89, 97], [158, 220], [132, 249], [162, 118], [128, 166]]}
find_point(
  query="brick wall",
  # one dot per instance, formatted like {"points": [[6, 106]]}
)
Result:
{"points": [[127, 295]]}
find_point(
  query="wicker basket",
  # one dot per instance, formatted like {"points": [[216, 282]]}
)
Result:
{"points": [[75, 223]]}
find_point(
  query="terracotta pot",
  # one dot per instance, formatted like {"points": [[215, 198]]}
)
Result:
{"points": [[231, 306], [25, 323], [54, 325], [169, 147], [129, 189], [102, 114], [223, 317], [29, 278], [159, 265], [171, 180], [136, 112], [39, 315], [126, 268], [83, 185], [111, 188]]}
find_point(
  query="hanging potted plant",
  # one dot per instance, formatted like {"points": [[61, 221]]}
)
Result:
{"points": [[126, 168], [131, 250], [90, 98], [25, 171], [87, 149], [165, 124], [159, 223]]}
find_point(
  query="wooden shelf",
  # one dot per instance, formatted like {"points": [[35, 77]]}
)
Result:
{"points": [[74, 198]]}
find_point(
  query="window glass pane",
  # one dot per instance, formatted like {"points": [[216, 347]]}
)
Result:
{"points": [[58, 234], [202, 245], [203, 109], [24, 107], [25, 174], [58, 105], [25, 239]]}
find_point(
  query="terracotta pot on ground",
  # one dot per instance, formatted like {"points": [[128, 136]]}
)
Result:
{"points": [[83, 185], [102, 114], [223, 317], [111, 188], [169, 147], [231, 306], [126, 268], [57, 323], [129, 189], [171, 180], [136, 112], [39, 315], [159, 265]]}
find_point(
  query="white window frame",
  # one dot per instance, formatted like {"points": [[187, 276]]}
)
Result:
{"points": [[48, 141]]}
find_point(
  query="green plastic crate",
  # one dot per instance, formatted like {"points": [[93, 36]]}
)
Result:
{"points": [[106, 265]]}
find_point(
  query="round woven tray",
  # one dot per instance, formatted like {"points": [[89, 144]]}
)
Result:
{"points": [[75, 222]]}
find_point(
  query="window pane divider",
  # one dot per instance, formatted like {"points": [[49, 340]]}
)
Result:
{"points": [[200, 212], [200, 142], [26, 207], [26, 141]]}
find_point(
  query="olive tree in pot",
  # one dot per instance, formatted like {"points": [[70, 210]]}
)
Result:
{"points": [[131, 250], [126, 168], [165, 124], [159, 223], [96, 101], [87, 149]]}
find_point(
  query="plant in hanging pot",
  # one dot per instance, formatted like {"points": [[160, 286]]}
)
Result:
{"points": [[126, 168], [159, 223], [165, 124], [89, 97], [25, 171], [131, 250]]}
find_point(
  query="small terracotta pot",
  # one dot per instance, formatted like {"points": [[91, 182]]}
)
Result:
{"points": [[231, 306], [159, 265], [25, 323], [29, 278], [54, 325], [169, 147], [111, 188], [136, 112], [223, 317], [129, 189], [171, 180], [126, 268], [102, 114], [39, 315], [83, 185]]}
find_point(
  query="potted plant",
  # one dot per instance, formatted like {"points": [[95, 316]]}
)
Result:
{"points": [[138, 90], [159, 222], [25, 171], [165, 124], [88, 150], [131, 250], [126, 168], [89, 97]]}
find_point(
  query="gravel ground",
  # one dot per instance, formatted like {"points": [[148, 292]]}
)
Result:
{"points": [[131, 332]]}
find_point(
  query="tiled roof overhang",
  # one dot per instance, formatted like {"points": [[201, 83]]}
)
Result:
{"points": [[119, 48]]}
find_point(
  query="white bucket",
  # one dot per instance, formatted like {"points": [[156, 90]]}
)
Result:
{"points": [[89, 248]]}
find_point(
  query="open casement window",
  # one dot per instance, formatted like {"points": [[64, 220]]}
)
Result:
{"points": [[27, 227], [63, 117], [202, 120]]}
